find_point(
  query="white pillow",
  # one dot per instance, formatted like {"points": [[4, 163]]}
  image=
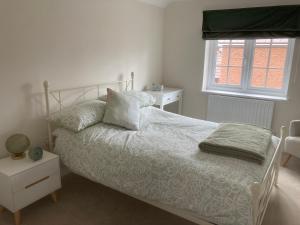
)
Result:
{"points": [[122, 110], [81, 116], [143, 98]]}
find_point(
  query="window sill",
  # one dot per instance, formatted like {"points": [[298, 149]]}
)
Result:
{"points": [[244, 95]]}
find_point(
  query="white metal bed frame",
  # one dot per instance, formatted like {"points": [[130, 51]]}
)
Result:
{"points": [[260, 191]]}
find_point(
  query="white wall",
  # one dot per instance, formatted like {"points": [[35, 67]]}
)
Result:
{"points": [[184, 56], [70, 43]]}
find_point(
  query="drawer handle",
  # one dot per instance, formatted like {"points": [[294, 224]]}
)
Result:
{"points": [[39, 181]]}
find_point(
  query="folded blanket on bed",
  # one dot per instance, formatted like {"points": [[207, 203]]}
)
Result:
{"points": [[239, 140]]}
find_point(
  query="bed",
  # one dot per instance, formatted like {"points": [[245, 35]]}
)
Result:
{"points": [[161, 164]]}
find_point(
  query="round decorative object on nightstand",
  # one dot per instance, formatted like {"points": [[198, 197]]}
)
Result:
{"points": [[17, 144], [36, 153]]}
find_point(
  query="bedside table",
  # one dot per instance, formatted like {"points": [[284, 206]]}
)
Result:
{"points": [[23, 182], [167, 96]]}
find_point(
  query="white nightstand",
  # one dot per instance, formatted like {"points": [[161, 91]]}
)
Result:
{"points": [[167, 96], [23, 182]]}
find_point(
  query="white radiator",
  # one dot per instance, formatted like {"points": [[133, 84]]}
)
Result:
{"points": [[240, 110]]}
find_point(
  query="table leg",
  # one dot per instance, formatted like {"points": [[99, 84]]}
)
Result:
{"points": [[161, 105], [17, 216], [54, 196], [287, 160]]}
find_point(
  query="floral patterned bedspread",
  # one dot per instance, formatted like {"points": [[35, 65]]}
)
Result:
{"points": [[162, 162]]}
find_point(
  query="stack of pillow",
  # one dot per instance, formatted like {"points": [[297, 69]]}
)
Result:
{"points": [[121, 109]]}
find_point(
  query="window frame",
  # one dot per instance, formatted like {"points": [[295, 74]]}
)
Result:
{"points": [[245, 88]]}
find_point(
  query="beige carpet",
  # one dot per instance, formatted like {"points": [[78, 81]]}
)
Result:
{"points": [[85, 203]]}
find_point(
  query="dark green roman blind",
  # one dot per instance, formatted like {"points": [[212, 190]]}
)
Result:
{"points": [[245, 23]]}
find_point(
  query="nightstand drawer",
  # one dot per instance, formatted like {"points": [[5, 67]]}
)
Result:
{"points": [[171, 98], [35, 175], [37, 190]]}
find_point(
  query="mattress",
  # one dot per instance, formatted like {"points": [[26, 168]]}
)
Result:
{"points": [[162, 162]]}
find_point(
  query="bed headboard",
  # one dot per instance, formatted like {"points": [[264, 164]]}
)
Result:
{"points": [[55, 99]]}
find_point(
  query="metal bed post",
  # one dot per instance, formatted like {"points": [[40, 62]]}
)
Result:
{"points": [[282, 136], [50, 140]]}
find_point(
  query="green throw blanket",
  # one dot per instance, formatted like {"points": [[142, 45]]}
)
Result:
{"points": [[240, 141]]}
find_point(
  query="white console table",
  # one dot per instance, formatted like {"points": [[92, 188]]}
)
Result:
{"points": [[167, 96]]}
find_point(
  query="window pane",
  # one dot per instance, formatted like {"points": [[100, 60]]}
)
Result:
{"points": [[278, 56], [269, 62], [275, 79], [263, 42], [221, 75], [234, 75], [237, 55], [260, 56], [258, 77], [280, 41], [222, 55], [229, 62]]}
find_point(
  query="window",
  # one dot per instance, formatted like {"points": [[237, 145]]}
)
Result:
{"points": [[259, 67]]}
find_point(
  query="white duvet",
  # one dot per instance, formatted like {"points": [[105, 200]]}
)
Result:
{"points": [[162, 162]]}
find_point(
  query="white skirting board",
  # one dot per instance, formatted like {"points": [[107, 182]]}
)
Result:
{"points": [[240, 110]]}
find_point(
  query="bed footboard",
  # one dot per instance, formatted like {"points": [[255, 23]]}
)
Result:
{"points": [[262, 191]]}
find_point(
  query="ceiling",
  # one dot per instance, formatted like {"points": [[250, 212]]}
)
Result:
{"points": [[160, 3]]}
